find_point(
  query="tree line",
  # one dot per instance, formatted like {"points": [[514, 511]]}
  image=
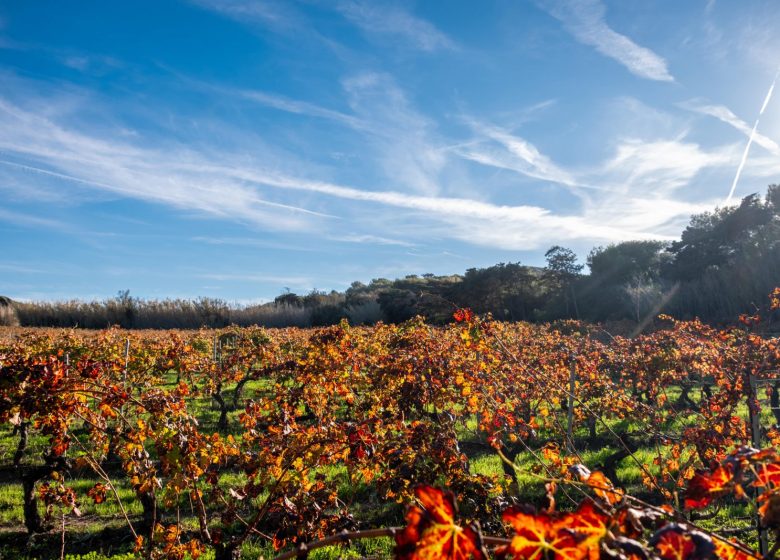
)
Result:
{"points": [[724, 264]]}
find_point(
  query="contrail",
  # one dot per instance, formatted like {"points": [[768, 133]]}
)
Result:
{"points": [[752, 136]]}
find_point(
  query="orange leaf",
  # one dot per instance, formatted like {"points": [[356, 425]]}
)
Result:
{"points": [[573, 536], [604, 489], [589, 524], [463, 315], [774, 299], [107, 411], [727, 551], [97, 493], [768, 474], [534, 534], [438, 503], [677, 542], [675, 545], [705, 486], [432, 533]]}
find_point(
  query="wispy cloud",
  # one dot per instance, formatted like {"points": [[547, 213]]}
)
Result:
{"points": [[297, 107], [751, 138], [403, 140], [368, 239], [22, 269], [229, 191], [281, 17], [476, 222], [639, 190], [660, 167], [87, 62], [295, 281], [391, 21], [22, 219], [585, 20], [253, 242], [271, 100], [640, 194], [270, 13], [724, 114], [513, 153], [50, 150]]}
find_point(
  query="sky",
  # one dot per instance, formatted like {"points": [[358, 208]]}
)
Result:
{"points": [[236, 149]]}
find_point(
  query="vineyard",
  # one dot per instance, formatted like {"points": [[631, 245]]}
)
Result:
{"points": [[477, 439]]}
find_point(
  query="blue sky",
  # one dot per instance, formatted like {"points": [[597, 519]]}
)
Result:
{"points": [[235, 148]]}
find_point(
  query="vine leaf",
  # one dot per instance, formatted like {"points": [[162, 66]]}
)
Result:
{"points": [[431, 532], [768, 474], [727, 551], [677, 542], [571, 536], [599, 483], [706, 486]]}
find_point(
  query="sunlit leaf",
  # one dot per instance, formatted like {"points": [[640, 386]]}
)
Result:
{"points": [[571, 536], [706, 486], [431, 532]]}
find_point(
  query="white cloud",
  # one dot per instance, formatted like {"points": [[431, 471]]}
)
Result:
{"points": [[163, 175], [584, 19], [640, 192], [217, 185], [269, 13], [252, 242], [471, 221], [370, 239], [22, 269], [513, 153], [297, 107], [660, 167], [391, 21], [295, 281], [22, 219], [403, 141], [724, 114], [643, 183]]}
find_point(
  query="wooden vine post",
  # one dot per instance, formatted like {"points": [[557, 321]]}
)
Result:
{"points": [[570, 411], [754, 412]]}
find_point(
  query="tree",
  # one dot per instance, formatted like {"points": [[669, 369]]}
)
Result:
{"points": [[622, 262], [715, 239], [509, 291], [8, 313], [289, 298], [126, 305], [642, 294], [621, 277], [398, 305], [561, 271]]}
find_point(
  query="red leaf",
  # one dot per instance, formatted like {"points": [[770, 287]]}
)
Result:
{"points": [[768, 474], [432, 533], [675, 545], [677, 542], [705, 486], [97, 493], [464, 315], [727, 551], [572, 536]]}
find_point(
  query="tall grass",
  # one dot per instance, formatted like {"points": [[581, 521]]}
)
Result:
{"points": [[8, 317], [155, 314]]}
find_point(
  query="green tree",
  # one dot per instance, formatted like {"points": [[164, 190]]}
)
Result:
{"points": [[716, 239], [623, 262], [561, 272]]}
